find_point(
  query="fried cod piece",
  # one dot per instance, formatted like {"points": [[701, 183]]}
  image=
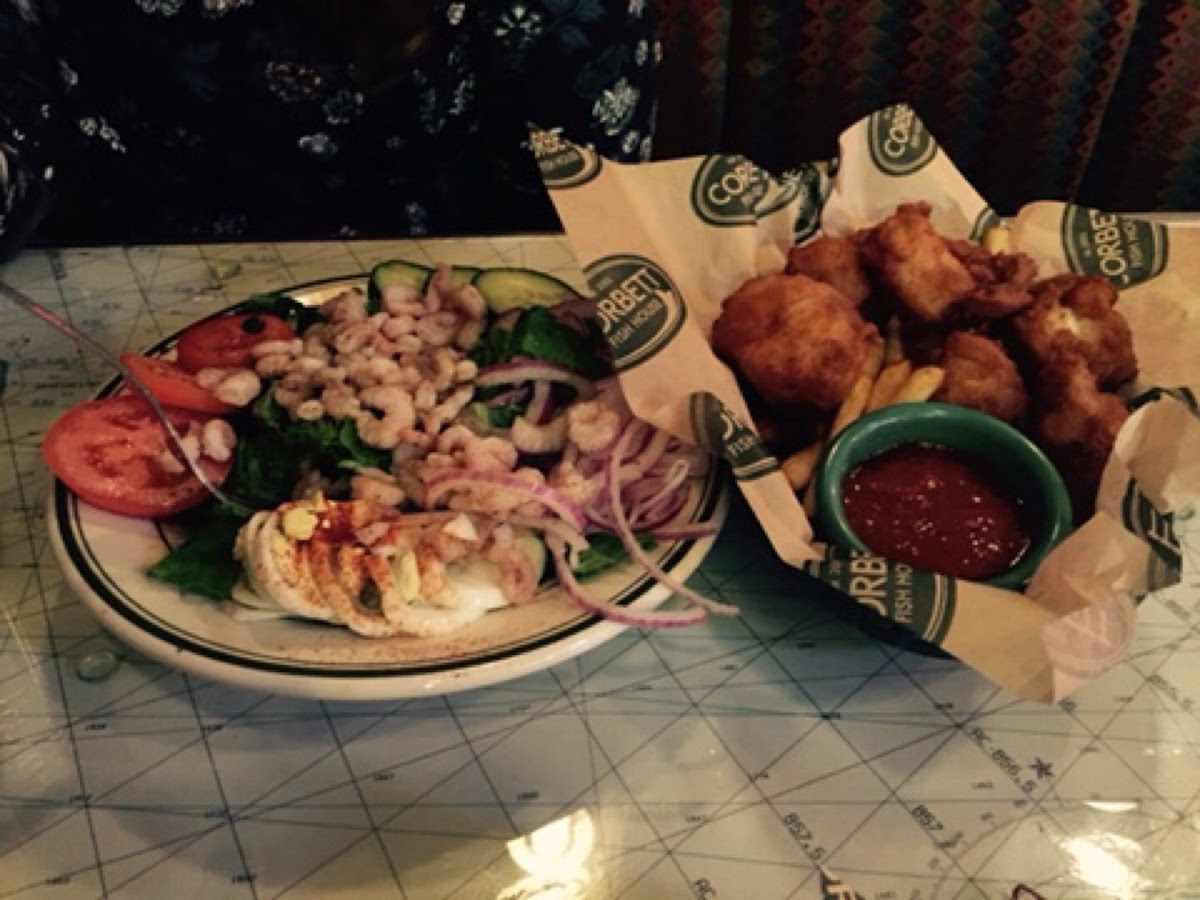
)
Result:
{"points": [[796, 340], [1075, 422], [980, 375], [1002, 280], [1080, 311], [915, 264], [834, 260]]}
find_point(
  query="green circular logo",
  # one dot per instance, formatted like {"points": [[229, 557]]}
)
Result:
{"points": [[1124, 250], [638, 306], [923, 602], [727, 189], [899, 143], [562, 163], [719, 431]]}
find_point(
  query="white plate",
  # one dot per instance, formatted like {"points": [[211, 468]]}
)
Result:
{"points": [[104, 558]]}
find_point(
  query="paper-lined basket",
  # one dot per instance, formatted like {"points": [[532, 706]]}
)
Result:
{"points": [[663, 244]]}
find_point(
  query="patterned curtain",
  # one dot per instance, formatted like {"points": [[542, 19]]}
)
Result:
{"points": [[1021, 93], [1148, 154], [693, 76]]}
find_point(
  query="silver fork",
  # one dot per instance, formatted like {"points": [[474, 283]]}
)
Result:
{"points": [[37, 309]]}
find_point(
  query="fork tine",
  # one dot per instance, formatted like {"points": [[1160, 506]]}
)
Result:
{"points": [[88, 342]]}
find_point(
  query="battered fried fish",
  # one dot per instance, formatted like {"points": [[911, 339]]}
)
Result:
{"points": [[797, 341], [1078, 312], [1075, 422], [980, 375], [915, 264], [1002, 280], [834, 260]]}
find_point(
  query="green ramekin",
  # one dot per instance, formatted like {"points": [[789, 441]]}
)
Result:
{"points": [[999, 447]]}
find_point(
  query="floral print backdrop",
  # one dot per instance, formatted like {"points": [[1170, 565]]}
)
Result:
{"points": [[125, 121]]}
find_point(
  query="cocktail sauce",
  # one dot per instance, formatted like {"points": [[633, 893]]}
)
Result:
{"points": [[936, 509]]}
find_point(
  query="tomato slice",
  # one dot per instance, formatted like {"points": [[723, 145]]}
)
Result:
{"points": [[173, 386], [226, 342], [111, 452]]}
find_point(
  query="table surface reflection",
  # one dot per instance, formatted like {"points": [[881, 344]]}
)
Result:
{"points": [[781, 754]]}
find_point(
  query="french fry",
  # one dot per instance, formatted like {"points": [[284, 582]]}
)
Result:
{"points": [[893, 343], [798, 468], [852, 407], [921, 385], [856, 401], [891, 379], [997, 239]]}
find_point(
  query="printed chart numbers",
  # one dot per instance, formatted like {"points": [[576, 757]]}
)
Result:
{"points": [[1007, 762], [945, 840], [805, 839], [945, 867]]}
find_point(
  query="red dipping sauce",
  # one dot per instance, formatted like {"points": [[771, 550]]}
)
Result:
{"points": [[934, 508]]}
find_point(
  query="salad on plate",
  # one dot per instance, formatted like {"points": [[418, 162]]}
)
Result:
{"points": [[400, 458]]}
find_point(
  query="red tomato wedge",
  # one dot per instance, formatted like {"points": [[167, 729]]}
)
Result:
{"points": [[111, 452], [172, 386], [226, 342]]}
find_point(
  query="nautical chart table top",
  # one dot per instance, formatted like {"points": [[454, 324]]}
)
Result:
{"points": [[784, 754]]}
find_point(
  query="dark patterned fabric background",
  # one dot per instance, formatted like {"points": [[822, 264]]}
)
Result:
{"points": [[1148, 154], [1020, 93]]}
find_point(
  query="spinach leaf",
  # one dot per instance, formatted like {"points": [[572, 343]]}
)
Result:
{"points": [[605, 551], [204, 563], [263, 473], [537, 334], [326, 442]]}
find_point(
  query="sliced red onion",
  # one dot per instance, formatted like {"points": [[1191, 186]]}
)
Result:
{"points": [[519, 371], [598, 513], [662, 479], [574, 540], [668, 495], [625, 533], [513, 395], [656, 618], [450, 479], [649, 519], [539, 403], [650, 502], [646, 458], [684, 531], [575, 311]]}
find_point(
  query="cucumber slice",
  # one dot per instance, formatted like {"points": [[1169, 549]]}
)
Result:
{"points": [[509, 288], [394, 271]]}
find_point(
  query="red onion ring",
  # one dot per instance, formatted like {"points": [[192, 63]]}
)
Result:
{"points": [[449, 478], [651, 452], [657, 618], [512, 395], [574, 540], [684, 531], [625, 533], [518, 371], [539, 403]]}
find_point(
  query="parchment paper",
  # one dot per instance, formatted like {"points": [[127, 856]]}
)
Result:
{"points": [[662, 244]]}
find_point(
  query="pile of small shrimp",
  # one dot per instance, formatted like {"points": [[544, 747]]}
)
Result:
{"points": [[403, 375]]}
